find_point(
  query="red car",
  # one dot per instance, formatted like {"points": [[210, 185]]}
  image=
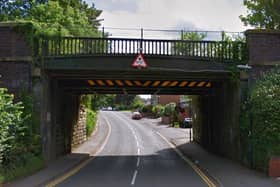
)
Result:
{"points": [[136, 115]]}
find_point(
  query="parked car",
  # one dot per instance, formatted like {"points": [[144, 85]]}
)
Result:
{"points": [[136, 115], [187, 123]]}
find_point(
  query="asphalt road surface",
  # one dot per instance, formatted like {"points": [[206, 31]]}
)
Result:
{"points": [[135, 155]]}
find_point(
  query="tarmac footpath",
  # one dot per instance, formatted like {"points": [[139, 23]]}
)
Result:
{"points": [[225, 172], [67, 163]]}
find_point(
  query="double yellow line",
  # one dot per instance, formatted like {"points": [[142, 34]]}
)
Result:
{"points": [[204, 177]]}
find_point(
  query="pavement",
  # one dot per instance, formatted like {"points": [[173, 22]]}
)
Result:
{"points": [[225, 171], [65, 163], [116, 163]]}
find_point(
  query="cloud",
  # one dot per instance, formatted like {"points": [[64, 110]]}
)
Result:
{"points": [[165, 14], [185, 25], [116, 5]]}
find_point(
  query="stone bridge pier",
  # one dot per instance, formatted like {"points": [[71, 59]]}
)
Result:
{"points": [[58, 111], [216, 120], [59, 115]]}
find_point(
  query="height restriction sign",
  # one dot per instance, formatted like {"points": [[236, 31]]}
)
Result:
{"points": [[139, 61]]}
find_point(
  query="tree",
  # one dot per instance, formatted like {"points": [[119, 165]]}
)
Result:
{"points": [[54, 17], [262, 14], [17, 9], [194, 36], [137, 102], [189, 48]]}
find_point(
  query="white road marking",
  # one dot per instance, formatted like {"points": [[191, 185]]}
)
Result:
{"points": [[137, 143], [138, 150], [134, 177], [138, 162]]}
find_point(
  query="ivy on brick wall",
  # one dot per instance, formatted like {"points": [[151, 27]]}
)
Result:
{"points": [[262, 110]]}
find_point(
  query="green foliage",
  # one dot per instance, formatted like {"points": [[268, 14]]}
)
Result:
{"points": [[260, 121], [137, 103], [11, 127], [19, 134], [265, 111], [29, 165], [91, 117], [194, 36], [177, 124], [262, 14], [54, 17], [169, 109], [148, 109], [189, 48], [157, 110], [87, 101], [123, 107], [95, 102]]}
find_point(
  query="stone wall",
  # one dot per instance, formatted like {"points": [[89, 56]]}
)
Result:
{"points": [[79, 130], [15, 60], [16, 76], [12, 44]]}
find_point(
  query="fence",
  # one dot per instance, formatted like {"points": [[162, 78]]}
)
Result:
{"points": [[82, 46]]}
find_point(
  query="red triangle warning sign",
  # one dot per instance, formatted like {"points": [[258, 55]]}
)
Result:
{"points": [[139, 61]]}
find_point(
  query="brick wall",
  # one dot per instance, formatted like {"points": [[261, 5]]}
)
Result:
{"points": [[16, 76], [264, 47], [165, 99], [12, 44], [264, 51], [79, 131], [15, 60]]}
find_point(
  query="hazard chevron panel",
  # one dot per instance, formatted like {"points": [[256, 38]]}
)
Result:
{"points": [[149, 83]]}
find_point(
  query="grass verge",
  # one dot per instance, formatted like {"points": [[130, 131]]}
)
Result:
{"points": [[28, 167]]}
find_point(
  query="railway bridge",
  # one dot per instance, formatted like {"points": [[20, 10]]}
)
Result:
{"points": [[58, 70]]}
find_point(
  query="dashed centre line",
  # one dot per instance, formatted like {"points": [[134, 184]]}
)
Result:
{"points": [[134, 177], [138, 152], [138, 162]]}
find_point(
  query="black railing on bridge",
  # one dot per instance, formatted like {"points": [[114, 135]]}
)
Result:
{"points": [[222, 51]]}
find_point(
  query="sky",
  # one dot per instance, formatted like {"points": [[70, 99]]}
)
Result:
{"points": [[172, 14]]}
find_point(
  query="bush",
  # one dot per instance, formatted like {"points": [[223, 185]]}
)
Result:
{"points": [[19, 136], [157, 110], [265, 99], [122, 107], [28, 165], [147, 109], [91, 121], [12, 128], [137, 103], [168, 109]]}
